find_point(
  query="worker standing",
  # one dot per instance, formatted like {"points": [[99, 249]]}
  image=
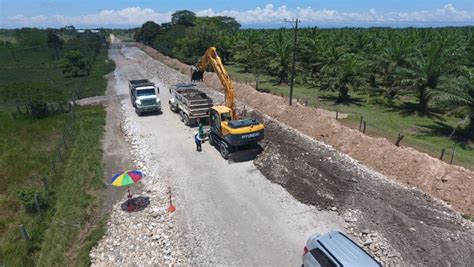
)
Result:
{"points": [[197, 140], [193, 73], [201, 131]]}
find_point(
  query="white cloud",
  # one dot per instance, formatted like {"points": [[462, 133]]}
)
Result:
{"points": [[270, 14], [135, 16], [130, 16]]}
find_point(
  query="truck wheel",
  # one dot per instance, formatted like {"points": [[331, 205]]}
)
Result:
{"points": [[186, 120], [211, 140], [181, 115], [224, 150], [138, 112]]}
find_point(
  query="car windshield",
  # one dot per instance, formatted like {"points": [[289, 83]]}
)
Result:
{"points": [[145, 92]]}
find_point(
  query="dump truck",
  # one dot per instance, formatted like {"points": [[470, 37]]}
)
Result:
{"points": [[191, 104], [143, 95]]}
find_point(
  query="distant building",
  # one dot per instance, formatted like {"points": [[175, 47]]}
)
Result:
{"points": [[83, 30]]}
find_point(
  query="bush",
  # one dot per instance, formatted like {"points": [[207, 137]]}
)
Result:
{"points": [[27, 197]]}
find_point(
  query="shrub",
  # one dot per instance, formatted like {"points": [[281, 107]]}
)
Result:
{"points": [[27, 197]]}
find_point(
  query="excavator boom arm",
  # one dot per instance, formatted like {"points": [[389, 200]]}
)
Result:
{"points": [[211, 57]]}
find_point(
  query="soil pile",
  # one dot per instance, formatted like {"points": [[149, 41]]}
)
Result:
{"points": [[452, 184], [423, 229]]}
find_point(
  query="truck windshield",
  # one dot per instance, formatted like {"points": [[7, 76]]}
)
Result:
{"points": [[145, 92]]}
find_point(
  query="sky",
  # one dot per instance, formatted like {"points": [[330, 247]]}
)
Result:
{"points": [[250, 14]]}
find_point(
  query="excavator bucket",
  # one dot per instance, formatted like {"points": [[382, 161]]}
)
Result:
{"points": [[197, 76]]}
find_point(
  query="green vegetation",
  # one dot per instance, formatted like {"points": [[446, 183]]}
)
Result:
{"points": [[69, 223], [413, 81], [425, 133]]}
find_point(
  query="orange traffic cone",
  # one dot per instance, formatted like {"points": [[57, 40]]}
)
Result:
{"points": [[171, 208]]}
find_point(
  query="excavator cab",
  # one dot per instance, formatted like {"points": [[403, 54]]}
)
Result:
{"points": [[228, 134]]}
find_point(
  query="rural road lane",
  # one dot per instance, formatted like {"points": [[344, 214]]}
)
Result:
{"points": [[229, 212]]}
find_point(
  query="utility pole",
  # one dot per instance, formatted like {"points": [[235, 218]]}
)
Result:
{"points": [[295, 27]]}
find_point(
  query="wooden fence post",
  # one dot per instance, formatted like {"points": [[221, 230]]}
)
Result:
{"points": [[18, 107], [452, 155], [442, 154], [400, 137], [53, 166], [365, 125], [24, 233], [64, 141], [59, 153], [360, 123], [337, 115], [45, 182], [37, 204]]}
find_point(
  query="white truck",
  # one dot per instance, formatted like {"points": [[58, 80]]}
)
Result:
{"points": [[143, 95], [191, 104]]}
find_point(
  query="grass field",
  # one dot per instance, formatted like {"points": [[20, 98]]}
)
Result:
{"points": [[425, 133], [38, 65], [64, 232]]}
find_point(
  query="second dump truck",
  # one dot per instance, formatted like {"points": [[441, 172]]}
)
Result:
{"points": [[191, 104], [143, 95]]}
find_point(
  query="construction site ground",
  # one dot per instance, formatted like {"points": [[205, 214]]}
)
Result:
{"points": [[260, 210]]}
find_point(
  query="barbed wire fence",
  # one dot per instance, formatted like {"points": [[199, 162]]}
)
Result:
{"points": [[64, 143]]}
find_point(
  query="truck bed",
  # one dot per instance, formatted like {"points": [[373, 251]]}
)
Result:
{"points": [[196, 102], [139, 83]]}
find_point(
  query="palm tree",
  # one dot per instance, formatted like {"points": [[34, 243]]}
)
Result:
{"points": [[460, 94], [387, 64], [280, 48], [427, 69], [249, 51], [345, 76]]}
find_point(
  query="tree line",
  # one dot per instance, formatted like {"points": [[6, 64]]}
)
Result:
{"points": [[432, 66]]}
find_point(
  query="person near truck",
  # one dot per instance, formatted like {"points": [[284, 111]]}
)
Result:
{"points": [[197, 140], [201, 131]]}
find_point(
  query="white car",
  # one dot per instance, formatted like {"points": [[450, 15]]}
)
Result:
{"points": [[335, 249]]}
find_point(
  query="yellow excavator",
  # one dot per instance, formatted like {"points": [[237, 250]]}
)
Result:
{"points": [[227, 131]]}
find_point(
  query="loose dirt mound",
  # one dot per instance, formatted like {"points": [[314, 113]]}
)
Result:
{"points": [[452, 184], [424, 230]]}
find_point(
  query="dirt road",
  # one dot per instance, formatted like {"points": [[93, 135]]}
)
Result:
{"points": [[230, 213], [249, 213]]}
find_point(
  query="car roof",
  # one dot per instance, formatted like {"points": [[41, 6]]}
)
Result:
{"points": [[144, 87], [344, 250]]}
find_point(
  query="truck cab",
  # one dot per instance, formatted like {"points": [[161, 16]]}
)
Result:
{"points": [[143, 95]]}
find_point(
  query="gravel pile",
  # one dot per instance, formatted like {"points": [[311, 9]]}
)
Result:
{"points": [[146, 237]]}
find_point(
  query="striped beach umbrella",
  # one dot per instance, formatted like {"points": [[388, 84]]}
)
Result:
{"points": [[126, 178]]}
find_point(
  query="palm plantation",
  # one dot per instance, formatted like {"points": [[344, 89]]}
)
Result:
{"points": [[415, 69]]}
